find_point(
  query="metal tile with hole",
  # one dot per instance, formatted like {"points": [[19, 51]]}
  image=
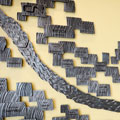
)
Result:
{"points": [[105, 57], [83, 117], [45, 105], [13, 109], [57, 58], [41, 38], [92, 86], [46, 3], [42, 21], [65, 63], [82, 80], [72, 114], [85, 71], [103, 90], [81, 52], [87, 27], [34, 113], [69, 6], [3, 43], [116, 79], [91, 59], [14, 62], [68, 46], [114, 60], [21, 17], [37, 95], [3, 85], [32, 9], [6, 2], [24, 89], [100, 66], [59, 31], [56, 48], [10, 96], [59, 118], [112, 71], [64, 108], [4, 55], [74, 22]]}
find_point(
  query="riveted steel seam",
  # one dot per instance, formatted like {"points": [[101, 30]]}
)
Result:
{"points": [[20, 39]]}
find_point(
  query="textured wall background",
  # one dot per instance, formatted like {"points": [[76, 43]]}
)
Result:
{"points": [[106, 17]]}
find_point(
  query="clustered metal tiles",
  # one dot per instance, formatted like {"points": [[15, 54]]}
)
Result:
{"points": [[70, 114], [12, 106], [5, 55]]}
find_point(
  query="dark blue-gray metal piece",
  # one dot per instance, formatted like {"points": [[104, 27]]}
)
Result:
{"points": [[59, 118], [114, 60], [4, 55], [37, 95], [14, 62], [2, 43], [3, 85], [44, 104], [72, 114], [9, 96], [116, 79], [65, 63], [68, 47], [41, 38], [92, 86], [81, 52], [42, 21], [34, 113], [83, 117], [105, 57], [100, 66], [69, 6], [64, 108], [21, 17], [6, 2], [103, 90], [13, 109], [32, 9], [57, 58], [59, 31], [24, 89]]}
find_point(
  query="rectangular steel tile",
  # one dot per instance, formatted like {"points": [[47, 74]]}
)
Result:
{"points": [[9, 96], [65, 63], [68, 46], [42, 21], [87, 27], [64, 108], [114, 60], [105, 57], [24, 89], [14, 62], [72, 114], [81, 52], [91, 59], [21, 17], [6, 2], [3, 85], [45, 104], [117, 52], [32, 9], [112, 71], [82, 80], [2, 43], [100, 66], [59, 31], [59, 118], [57, 58], [34, 113], [4, 55], [41, 38], [37, 95], [56, 48], [92, 86], [103, 90], [13, 109], [74, 22], [116, 79], [84, 117], [69, 6]]}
